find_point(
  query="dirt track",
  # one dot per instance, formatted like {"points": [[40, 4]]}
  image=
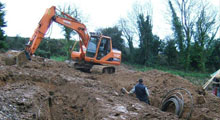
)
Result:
{"points": [[45, 89]]}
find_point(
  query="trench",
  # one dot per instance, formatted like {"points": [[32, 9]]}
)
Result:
{"points": [[66, 103], [50, 104]]}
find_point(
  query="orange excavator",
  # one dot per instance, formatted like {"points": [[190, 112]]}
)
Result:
{"points": [[95, 49]]}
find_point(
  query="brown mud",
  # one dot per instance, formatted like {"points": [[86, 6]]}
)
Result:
{"points": [[48, 90]]}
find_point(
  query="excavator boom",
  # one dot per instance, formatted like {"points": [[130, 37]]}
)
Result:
{"points": [[45, 22], [95, 49]]}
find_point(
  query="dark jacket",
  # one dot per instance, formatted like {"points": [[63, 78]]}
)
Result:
{"points": [[141, 92]]}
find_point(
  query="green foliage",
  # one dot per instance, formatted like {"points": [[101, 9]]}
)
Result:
{"points": [[128, 34], [16, 43], [177, 29], [196, 78], [43, 53], [191, 48], [3, 44], [194, 36], [47, 48], [149, 44], [51, 47], [156, 45], [178, 39], [203, 38], [171, 52], [75, 13], [60, 58], [213, 60]]}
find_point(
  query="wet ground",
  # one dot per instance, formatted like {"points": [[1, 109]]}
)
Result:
{"points": [[48, 90]]}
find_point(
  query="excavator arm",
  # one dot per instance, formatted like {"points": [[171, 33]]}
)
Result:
{"points": [[95, 49], [45, 22]]}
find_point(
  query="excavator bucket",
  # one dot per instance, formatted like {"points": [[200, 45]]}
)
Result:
{"points": [[16, 57], [22, 58]]}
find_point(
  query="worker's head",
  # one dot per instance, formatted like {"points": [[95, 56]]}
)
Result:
{"points": [[140, 81]]}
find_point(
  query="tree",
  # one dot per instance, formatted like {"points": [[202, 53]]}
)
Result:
{"points": [[205, 32], [171, 52], [129, 35], [214, 58], [16, 43], [146, 40], [187, 9], [3, 44], [75, 13], [156, 45], [178, 34], [130, 29]]}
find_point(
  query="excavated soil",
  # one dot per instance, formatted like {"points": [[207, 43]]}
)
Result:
{"points": [[47, 90]]}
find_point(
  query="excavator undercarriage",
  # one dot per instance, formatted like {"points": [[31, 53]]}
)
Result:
{"points": [[91, 67]]}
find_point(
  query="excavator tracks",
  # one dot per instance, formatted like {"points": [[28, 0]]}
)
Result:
{"points": [[83, 67], [90, 68], [109, 70], [103, 69]]}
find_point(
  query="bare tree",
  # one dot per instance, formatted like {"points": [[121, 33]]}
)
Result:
{"points": [[186, 9], [74, 12], [129, 26], [198, 21], [205, 32], [138, 8], [127, 33]]}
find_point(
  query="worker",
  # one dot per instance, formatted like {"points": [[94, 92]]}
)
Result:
{"points": [[141, 92], [216, 87]]}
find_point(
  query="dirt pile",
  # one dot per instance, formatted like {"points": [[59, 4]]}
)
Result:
{"points": [[23, 100], [45, 89]]}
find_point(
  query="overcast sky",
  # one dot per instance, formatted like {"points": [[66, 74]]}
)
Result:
{"points": [[22, 16]]}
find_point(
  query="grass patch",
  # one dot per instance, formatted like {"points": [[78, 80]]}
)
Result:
{"points": [[194, 77], [60, 58]]}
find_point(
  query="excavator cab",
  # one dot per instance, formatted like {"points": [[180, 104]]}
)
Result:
{"points": [[98, 47], [104, 48], [99, 52]]}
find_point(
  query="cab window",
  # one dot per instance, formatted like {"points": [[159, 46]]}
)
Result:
{"points": [[104, 48], [91, 50]]}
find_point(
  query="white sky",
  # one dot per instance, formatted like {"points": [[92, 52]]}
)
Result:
{"points": [[22, 16]]}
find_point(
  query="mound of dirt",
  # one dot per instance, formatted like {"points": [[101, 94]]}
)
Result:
{"points": [[23, 100], [45, 89]]}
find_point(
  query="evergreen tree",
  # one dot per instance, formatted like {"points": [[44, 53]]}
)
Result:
{"points": [[213, 60], [171, 52], [2, 24], [146, 40], [178, 34]]}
